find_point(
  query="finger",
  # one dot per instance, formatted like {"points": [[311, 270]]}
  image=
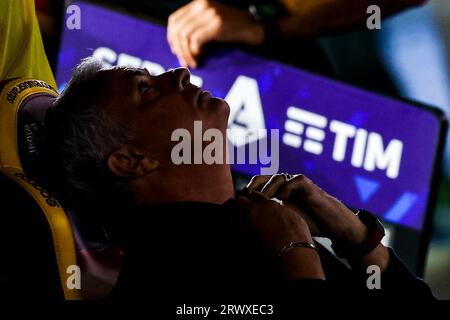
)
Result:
{"points": [[196, 32], [186, 12], [173, 25], [200, 36], [185, 51], [257, 182], [177, 23], [182, 11], [272, 186], [258, 197], [211, 30], [175, 46], [308, 195], [189, 10], [180, 46], [300, 184]]}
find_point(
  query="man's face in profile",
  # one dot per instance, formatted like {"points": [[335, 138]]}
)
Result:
{"points": [[155, 106]]}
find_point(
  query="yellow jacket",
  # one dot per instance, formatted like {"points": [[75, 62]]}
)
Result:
{"points": [[21, 50]]}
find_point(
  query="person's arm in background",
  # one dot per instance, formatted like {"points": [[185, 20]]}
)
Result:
{"points": [[203, 21], [310, 18], [21, 50]]}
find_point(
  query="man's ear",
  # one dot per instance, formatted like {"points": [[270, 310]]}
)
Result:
{"points": [[131, 162]]}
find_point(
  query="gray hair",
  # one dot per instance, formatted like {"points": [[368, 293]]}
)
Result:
{"points": [[78, 137]]}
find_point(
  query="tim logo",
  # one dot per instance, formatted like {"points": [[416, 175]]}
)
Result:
{"points": [[304, 123], [307, 130]]}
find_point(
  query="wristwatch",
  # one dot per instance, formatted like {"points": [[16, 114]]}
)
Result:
{"points": [[268, 13], [375, 235]]}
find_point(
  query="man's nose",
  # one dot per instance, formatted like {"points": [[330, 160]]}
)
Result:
{"points": [[182, 77]]}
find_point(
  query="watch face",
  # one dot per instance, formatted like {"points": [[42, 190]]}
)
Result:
{"points": [[370, 220]]}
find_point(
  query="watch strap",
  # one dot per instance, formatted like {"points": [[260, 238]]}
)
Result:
{"points": [[374, 236]]}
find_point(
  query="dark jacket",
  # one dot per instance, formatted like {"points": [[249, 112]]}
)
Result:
{"points": [[199, 252]]}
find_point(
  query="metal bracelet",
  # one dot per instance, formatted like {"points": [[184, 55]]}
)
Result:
{"points": [[292, 245]]}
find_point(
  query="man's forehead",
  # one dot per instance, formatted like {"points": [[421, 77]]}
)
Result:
{"points": [[115, 78], [114, 84], [127, 72]]}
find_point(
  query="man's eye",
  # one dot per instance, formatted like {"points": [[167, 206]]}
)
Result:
{"points": [[143, 87]]}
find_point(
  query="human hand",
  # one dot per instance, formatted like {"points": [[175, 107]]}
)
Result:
{"points": [[276, 226], [326, 216], [202, 21]]}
